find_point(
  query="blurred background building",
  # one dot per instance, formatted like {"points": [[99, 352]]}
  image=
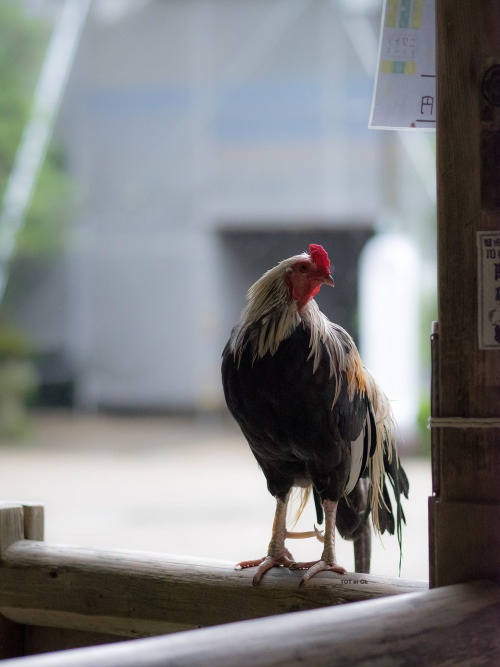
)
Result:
{"points": [[203, 141]]}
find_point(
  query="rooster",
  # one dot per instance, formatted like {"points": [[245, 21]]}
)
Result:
{"points": [[313, 416]]}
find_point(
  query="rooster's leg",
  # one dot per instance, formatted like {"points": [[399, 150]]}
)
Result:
{"points": [[327, 562], [277, 553], [362, 547], [362, 535]]}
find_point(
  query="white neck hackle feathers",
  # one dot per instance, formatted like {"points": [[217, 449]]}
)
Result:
{"points": [[269, 303], [272, 307]]}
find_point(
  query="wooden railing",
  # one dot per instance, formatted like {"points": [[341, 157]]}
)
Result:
{"points": [[59, 596]]}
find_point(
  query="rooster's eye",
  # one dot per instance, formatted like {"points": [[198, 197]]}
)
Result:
{"points": [[303, 268]]}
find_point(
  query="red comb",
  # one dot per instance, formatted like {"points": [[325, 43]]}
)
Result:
{"points": [[319, 256]]}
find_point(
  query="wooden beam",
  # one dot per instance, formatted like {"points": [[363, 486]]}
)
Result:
{"points": [[11, 639], [468, 377], [455, 625], [17, 522], [448, 541], [11, 525], [138, 594], [11, 530]]}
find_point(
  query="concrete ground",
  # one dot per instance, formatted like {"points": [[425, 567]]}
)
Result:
{"points": [[178, 486]]}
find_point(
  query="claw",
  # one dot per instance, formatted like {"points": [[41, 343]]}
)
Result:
{"points": [[265, 564], [269, 562], [313, 567], [327, 562], [249, 563], [319, 534]]}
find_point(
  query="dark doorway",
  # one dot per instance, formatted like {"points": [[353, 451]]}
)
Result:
{"points": [[248, 254]]}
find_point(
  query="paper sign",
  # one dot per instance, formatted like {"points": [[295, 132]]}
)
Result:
{"points": [[405, 87], [488, 248]]}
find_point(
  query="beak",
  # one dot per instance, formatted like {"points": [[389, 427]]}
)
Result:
{"points": [[328, 280]]}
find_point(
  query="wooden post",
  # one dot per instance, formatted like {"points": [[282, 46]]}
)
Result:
{"points": [[33, 521], [465, 510], [18, 521], [11, 525], [11, 530]]}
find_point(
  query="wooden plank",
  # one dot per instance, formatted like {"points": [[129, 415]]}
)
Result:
{"points": [[11, 639], [470, 465], [11, 531], [435, 411], [475, 526], [455, 625], [468, 127], [39, 639], [138, 594], [11, 525], [432, 541], [467, 33]]}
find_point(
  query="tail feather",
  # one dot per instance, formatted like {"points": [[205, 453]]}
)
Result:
{"points": [[385, 465], [318, 506], [400, 486], [386, 518], [302, 495]]}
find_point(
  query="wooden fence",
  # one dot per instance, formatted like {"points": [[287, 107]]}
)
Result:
{"points": [[57, 596]]}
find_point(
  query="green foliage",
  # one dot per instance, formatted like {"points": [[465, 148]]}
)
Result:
{"points": [[422, 421], [14, 344], [22, 46], [18, 382], [46, 229], [23, 43]]}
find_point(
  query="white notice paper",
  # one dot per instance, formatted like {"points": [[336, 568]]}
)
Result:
{"points": [[488, 248], [405, 87]]}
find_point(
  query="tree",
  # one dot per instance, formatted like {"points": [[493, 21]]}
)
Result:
{"points": [[23, 41]]}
